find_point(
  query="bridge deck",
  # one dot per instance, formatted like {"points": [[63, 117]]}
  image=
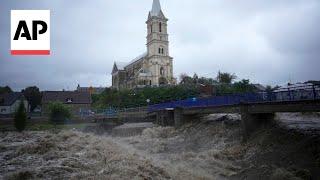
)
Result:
{"points": [[257, 108]]}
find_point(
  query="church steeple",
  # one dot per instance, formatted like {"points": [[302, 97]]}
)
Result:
{"points": [[157, 39], [156, 8]]}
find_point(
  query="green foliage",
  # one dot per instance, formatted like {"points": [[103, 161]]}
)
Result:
{"points": [[225, 78], [20, 118], [187, 88], [59, 112], [243, 86], [138, 97], [5, 89], [33, 95], [192, 81]]}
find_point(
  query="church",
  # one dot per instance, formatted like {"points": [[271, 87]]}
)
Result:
{"points": [[152, 68]]}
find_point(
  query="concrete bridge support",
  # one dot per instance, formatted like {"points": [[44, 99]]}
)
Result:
{"points": [[165, 118], [180, 118], [253, 121]]}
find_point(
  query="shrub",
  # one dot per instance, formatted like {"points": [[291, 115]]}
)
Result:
{"points": [[20, 118], [58, 112]]}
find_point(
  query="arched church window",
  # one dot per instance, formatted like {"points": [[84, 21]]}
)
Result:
{"points": [[160, 27], [159, 50], [151, 28], [161, 71], [162, 51]]}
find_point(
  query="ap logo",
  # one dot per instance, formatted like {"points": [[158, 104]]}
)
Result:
{"points": [[30, 32]]}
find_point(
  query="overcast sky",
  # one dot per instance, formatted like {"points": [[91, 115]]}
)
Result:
{"points": [[266, 41]]}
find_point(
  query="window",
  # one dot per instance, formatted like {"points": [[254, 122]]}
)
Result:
{"points": [[161, 71], [150, 82], [151, 27], [160, 27], [161, 50], [69, 100]]}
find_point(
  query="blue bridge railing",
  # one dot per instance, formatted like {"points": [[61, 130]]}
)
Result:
{"points": [[281, 95]]}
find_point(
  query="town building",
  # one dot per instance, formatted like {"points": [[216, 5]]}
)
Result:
{"points": [[78, 102], [9, 103], [154, 67], [299, 91], [91, 90]]}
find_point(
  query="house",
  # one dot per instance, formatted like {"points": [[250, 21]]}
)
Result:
{"points": [[9, 103], [298, 91], [206, 90], [78, 102], [155, 66], [91, 90], [259, 87]]}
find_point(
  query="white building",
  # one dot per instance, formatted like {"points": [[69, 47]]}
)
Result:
{"points": [[10, 102], [298, 91], [154, 67]]}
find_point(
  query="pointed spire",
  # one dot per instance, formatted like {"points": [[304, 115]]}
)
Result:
{"points": [[156, 8]]}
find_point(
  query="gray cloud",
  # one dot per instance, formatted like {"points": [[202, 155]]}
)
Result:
{"points": [[270, 42]]}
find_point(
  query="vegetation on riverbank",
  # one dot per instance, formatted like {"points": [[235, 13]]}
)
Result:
{"points": [[188, 87]]}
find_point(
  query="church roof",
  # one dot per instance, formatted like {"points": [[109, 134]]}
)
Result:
{"points": [[137, 58], [120, 65], [64, 97], [156, 8]]}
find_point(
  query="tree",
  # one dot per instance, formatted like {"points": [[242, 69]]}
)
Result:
{"points": [[225, 78], [186, 80], [20, 118], [33, 95], [243, 86], [182, 77], [5, 89], [195, 78], [58, 112], [206, 81]]}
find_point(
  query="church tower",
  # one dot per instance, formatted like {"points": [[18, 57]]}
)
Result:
{"points": [[160, 62]]}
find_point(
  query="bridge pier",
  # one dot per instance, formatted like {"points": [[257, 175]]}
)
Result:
{"points": [[165, 118], [180, 118], [253, 121]]}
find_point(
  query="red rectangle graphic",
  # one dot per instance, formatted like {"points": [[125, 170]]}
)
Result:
{"points": [[30, 52]]}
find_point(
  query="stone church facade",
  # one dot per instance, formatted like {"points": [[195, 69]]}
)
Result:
{"points": [[152, 68]]}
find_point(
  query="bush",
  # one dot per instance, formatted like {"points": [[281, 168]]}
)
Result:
{"points": [[58, 112], [20, 118]]}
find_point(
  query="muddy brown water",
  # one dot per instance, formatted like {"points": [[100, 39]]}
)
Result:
{"points": [[211, 148]]}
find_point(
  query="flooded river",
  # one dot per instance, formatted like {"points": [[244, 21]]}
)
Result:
{"points": [[208, 149]]}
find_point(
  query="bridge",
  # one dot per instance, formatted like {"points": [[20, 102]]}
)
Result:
{"points": [[255, 109]]}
